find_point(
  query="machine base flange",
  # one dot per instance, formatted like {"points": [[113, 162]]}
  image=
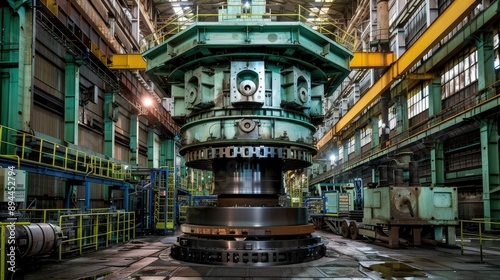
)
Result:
{"points": [[249, 252]]}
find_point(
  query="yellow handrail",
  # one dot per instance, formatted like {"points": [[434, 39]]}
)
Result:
{"points": [[480, 234], [91, 230], [320, 24], [26, 147]]}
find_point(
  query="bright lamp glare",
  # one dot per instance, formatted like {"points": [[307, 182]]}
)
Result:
{"points": [[148, 101]]}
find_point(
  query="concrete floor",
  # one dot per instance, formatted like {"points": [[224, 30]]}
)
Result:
{"points": [[147, 258]]}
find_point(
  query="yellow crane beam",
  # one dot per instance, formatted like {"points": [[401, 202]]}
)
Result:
{"points": [[371, 60], [448, 20], [129, 61]]}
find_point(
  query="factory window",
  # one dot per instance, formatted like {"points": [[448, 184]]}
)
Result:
{"points": [[392, 117], [366, 135], [341, 152], [365, 83], [418, 101], [416, 26], [351, 146], [460, 75]]}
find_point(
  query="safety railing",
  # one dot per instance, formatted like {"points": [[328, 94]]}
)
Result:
{"points": [[320, 24], [22, 146], [46, 215], [474, 231], [52, 215], [94, 231]]}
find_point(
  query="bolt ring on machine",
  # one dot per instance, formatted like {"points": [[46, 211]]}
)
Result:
{"points": [[246, 98]]}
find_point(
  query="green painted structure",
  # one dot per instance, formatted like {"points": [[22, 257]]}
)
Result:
{"points": [[248, 82]]}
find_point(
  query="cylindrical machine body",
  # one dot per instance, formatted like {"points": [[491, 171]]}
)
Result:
{"points": [[247, 216], [249, 176], [383, 19]]}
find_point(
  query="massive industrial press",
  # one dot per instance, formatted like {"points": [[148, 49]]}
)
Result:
{"points": [[247, 87]]}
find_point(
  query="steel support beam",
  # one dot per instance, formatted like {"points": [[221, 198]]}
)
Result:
{"points": [[134, 139], [437, 164], [15, 65], [453, 15], [490, 166], [372, 60], [71, 99], [132, 61], [151, 148], [86, 204], [168, 153], [435, 105], [109, 124], [486, 60]]}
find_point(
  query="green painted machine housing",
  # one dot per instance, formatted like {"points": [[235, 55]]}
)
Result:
{"points": [[410, 205], [248, 88]]}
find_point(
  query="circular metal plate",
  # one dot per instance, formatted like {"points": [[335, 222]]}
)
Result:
{"points": [[248, 252], [247, 216]]}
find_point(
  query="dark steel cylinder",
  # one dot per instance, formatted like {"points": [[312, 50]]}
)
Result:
{"points": [[414, 178], [247, 216], [383, 177], [398, 176], [247, 176]]}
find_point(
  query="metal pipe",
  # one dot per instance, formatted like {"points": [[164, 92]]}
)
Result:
{"points": [[402, 242], [380, 235], [428, 241]]}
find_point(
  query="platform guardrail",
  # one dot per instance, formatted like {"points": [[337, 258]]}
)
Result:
{"points": [[475, 229], [26, 147], [320, 24], [95, 230]]}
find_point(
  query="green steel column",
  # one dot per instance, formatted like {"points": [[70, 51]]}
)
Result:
{"points": [[357, 142], [490, 169], [435, 105], [134, 139], [151, 150], [489, 130], [401, 113], [15, 64], [109, 125], [437, 164], [375, 132], [375, 175], [168, 153], [72, 99], [485, 60]]}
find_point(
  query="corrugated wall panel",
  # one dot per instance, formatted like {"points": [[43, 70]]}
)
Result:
{"points": [[122, 153], [91, 140], [143, 160], [47, 122]]}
